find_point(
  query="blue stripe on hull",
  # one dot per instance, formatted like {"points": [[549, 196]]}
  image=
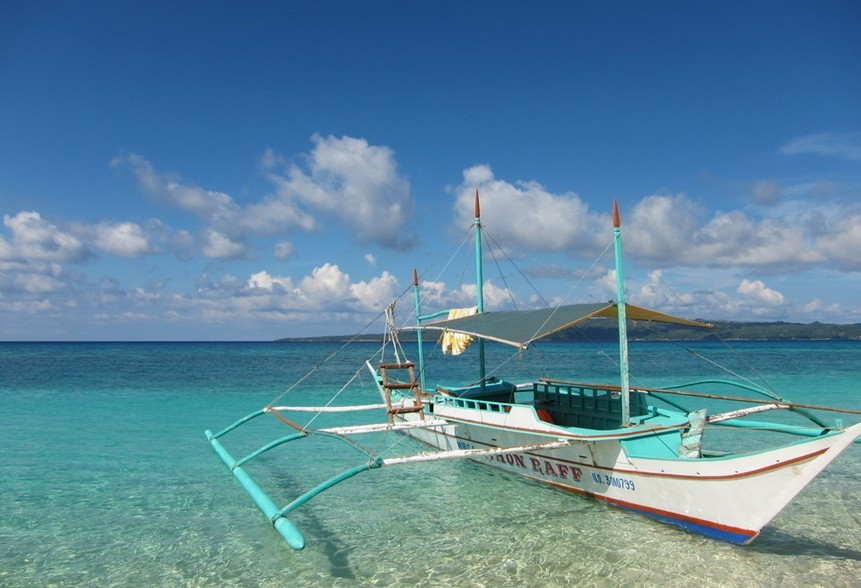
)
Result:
{"points": [[728, 535]]}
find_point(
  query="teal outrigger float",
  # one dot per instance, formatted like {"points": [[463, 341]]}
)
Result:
{"points": [[634, 447]]}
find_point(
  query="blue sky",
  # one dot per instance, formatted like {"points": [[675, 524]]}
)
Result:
{"points": [[170, 171]]}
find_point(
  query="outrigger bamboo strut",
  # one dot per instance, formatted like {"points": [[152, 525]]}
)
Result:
{"points": [[470, 453], [356, 408], [277, 517], [382, 427]]}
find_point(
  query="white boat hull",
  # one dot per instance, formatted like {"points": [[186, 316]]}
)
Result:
{"points": [[728, 498]]}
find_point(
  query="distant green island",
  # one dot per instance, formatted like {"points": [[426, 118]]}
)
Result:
{"points": [[642, 331]]}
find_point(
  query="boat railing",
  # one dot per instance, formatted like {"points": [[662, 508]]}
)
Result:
{"points": [[732, 418], [581, 406], [474, 404]]}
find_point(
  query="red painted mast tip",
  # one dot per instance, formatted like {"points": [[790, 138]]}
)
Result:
{"points": [[477, 206], [617, 218]]}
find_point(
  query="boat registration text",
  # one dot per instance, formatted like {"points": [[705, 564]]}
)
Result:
{"points": [[616, 482]]}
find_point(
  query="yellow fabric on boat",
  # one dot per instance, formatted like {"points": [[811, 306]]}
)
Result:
{"points": [[457, 343], [638, 313]]}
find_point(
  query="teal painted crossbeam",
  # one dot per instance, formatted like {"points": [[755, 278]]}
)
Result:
{"points": [[328, 484], [269, 446], [276, 515], [284, 526]]}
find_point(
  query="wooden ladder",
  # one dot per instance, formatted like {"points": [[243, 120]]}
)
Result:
{"points": [[390, 384]]}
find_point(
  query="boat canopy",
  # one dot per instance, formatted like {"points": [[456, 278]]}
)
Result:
{"points": [[521, 327]]}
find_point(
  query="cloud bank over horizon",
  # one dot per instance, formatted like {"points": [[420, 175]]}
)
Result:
{"points": [[353, 188]]}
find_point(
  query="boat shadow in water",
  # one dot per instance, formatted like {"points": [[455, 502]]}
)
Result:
{"points": [[323, 539], [781, 543], [336, 551]]}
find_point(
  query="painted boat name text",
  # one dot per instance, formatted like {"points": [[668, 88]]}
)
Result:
{"points": [[545, 467]]}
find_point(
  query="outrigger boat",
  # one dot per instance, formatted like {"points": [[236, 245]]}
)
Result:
{"points": [[632, 447]]}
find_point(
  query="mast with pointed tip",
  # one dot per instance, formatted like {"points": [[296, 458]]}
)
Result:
{"points": [[479, 268], [622, 316], [418, 303], [479, 285]]}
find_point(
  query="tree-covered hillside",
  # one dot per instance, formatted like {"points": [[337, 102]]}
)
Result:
{"points": [[727, 330]]}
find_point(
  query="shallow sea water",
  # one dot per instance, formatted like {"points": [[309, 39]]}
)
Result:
{"points": [[107, 480]]}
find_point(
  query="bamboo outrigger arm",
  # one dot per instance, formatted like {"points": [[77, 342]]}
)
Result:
{"points": [[278, 516], [284, 526], [429, 456]]}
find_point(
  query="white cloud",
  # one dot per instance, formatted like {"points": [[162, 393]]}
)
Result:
{"points": [[494, 297], [377, 293], [122, 239], [817, 307], [757, 290], [220, 246], [215, 207], [183, 244], [326, 282], [7, 251], [666, 231], [218, 211], [841, 241], [607, 284], [326, 289], [265, 281], [721, 298], [33, 283], [653, 292], [274, 214], [344, 178], [33, 307], [354, 181], [32, 279], [526, 214], [662, 231], [283, 250], [34, 238], [661, 227], [436, 295], [734, 239], [841, 145]]}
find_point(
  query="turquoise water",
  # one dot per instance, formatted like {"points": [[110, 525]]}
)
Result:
{"points": [[106, 479]]}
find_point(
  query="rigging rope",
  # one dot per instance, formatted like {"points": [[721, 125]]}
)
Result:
{"points": [[492, 239], [329, 357], [764, 386]]}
